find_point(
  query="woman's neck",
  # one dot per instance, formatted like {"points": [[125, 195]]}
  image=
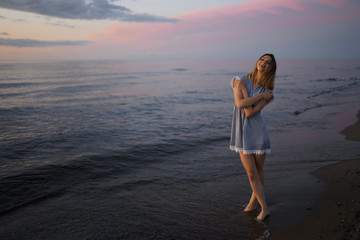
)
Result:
{"points": [[257, 78]]}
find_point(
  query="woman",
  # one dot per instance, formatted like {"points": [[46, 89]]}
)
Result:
{"points": [[249, 134]]}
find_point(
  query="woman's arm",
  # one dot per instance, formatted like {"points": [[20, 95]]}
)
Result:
{"points": [[251, 111], [241, 96]]}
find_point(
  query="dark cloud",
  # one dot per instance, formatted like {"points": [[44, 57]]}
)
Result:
{"points": [[5, 33], [59, 24], [81, 9], [36, 43]]}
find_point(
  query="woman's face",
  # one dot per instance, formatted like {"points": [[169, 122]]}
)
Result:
{"points": [[264, 63]]}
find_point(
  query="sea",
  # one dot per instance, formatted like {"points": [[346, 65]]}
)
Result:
{"points": [[139, 149]]}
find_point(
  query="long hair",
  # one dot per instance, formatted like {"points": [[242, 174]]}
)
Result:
{"points": [[267, 78]]}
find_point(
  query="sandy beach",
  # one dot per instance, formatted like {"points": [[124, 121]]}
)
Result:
{"points": [[337, 214]]}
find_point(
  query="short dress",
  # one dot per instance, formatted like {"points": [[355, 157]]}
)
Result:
{"points": [[249, 135]]}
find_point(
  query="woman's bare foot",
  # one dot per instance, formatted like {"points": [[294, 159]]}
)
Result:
{"points": [[250, 207], [263, 215]]}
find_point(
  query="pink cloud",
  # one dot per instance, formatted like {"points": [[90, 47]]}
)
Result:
{"points": [[229, 23]]}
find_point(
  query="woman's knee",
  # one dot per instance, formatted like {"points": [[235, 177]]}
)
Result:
{"points": [[253, 176], [260, 171]]}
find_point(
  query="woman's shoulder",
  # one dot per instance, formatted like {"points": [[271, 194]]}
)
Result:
{"points": [[246, 81], [243, 80]]}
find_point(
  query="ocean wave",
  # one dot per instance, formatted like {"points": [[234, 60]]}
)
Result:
{"points": [[38, 184], [35, 184]]}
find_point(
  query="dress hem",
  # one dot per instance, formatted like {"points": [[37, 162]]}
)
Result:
{"points": [[249, 152]]}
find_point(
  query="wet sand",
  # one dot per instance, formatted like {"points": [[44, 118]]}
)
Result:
{"points": [[337, 214], [353, 132]]}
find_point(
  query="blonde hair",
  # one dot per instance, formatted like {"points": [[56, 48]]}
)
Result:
{"points": [[267, 78]]}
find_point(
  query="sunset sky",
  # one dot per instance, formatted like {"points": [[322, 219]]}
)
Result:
{"points": [[163, 29]]}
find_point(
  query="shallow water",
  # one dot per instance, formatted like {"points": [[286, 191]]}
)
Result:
{"points": [[140, 150]]}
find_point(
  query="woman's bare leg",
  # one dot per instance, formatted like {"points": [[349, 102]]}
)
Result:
{"points": [[252, 205], [254, 165], [259, 162]]}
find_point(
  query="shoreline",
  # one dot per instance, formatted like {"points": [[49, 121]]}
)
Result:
{"points": [[336, 214]]}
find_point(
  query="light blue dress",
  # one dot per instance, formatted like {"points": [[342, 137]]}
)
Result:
{"points": [[249, 135]]}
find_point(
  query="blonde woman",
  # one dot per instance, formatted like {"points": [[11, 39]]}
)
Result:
{"points": [[249, 134]]}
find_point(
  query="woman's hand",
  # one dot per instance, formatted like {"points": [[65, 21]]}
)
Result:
{"points": [[238, 83], [267, 96]]}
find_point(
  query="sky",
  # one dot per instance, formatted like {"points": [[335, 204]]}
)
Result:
{"points": [[186, 29]]}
